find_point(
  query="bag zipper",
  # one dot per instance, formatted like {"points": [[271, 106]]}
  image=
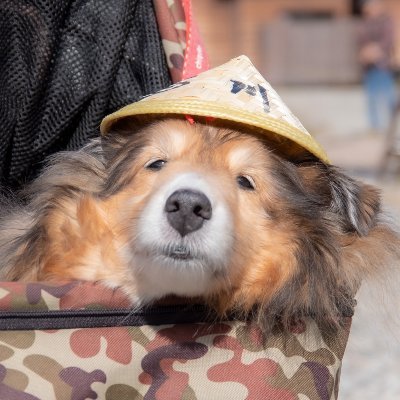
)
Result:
{"points": [[92, 318]]}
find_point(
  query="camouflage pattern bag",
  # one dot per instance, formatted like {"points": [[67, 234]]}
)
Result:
{"points": [[82, 341]]}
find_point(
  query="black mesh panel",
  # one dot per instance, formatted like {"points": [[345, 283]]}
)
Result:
{"points": [[64, 65]]}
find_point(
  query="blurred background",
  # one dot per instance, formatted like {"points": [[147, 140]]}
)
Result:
{"points": [[309, 50]]}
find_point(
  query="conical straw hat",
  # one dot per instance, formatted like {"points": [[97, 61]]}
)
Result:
{"points": [[235, 92]]}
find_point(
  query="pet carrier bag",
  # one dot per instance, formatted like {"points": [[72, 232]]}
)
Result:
{"points": [[81, 341]]}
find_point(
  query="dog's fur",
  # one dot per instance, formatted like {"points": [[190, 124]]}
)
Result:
{"points": [[286, 238]]}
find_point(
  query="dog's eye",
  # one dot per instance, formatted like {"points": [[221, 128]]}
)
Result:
{"points": [[155, 165], [245, 182]]}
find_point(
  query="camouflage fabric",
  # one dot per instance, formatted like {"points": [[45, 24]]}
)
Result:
{"points": [[172, 27], [202, 360], [183, 46]]}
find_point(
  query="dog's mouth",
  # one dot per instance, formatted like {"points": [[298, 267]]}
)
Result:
{"points": [[179, 252]]}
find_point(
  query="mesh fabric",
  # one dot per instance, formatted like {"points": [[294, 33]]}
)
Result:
{"points": [[64, 65]]}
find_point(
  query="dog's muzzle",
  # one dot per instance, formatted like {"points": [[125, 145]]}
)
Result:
{"points": [[187, 210]]}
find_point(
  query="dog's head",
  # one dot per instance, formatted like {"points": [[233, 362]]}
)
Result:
{"points": [[193, 203], [206, 211]]}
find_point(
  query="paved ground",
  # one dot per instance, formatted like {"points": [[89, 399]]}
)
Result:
{"points": [[336, 117]]}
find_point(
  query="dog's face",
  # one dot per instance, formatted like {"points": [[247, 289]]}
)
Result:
{"points": [[199, 210], [212, 212], [196, 206]]}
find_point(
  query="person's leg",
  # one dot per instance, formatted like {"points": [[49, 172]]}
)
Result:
{"points": [[372, 86], [385, 96], [390, 92]]}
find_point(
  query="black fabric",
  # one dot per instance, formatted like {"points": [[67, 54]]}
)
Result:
{"points": [[73, 319], [64, 65]]}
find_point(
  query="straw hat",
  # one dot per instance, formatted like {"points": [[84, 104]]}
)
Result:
{"points": [[234, 92]]}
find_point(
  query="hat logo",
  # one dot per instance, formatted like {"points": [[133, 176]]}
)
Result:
{"points": [[238, 86]]}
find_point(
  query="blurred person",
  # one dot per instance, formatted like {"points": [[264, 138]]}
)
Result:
{"points": [[375, 55]]}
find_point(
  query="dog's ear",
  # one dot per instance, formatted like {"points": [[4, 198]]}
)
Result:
{"points": [[116, 138], [120, 147], [353, 206], [358, 204], [122, 132]]}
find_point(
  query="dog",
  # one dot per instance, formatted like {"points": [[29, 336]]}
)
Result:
{"points": [[203, 211]]}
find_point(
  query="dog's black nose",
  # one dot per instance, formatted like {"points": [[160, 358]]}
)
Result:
{"points": [[187, 209]]}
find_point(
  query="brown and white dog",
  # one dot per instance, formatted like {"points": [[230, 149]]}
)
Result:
{"points": [[200, 211]]}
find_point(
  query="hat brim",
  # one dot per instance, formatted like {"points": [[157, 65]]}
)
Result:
{"points": [[198, 107]]}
